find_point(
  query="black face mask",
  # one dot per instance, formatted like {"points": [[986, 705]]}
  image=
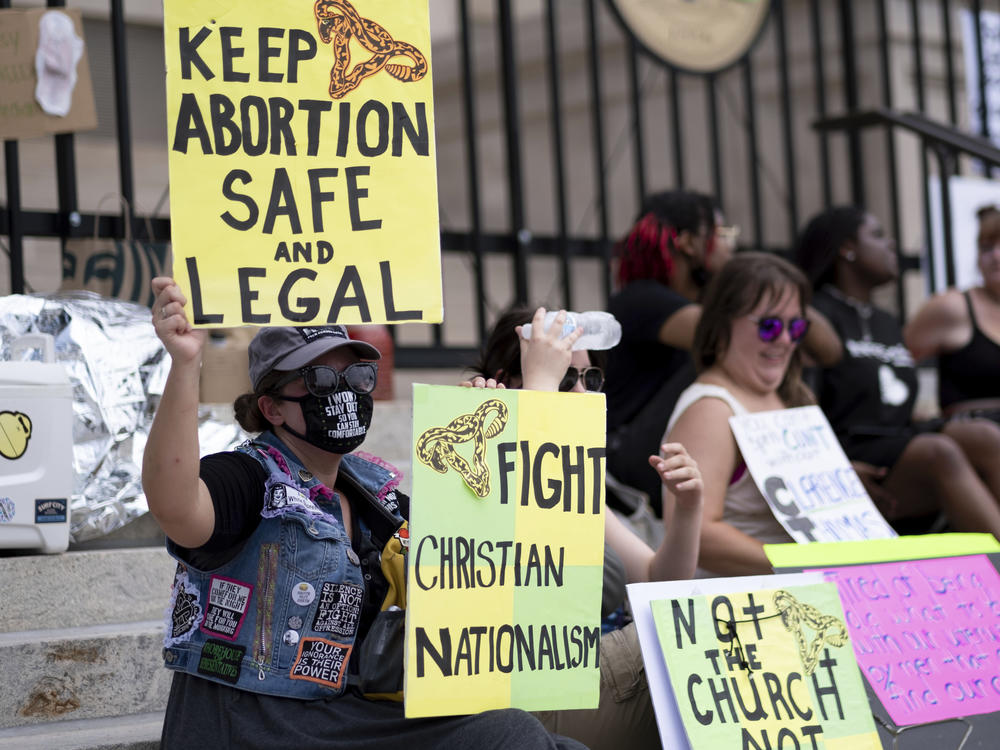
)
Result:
{"points": [[337, 423]]}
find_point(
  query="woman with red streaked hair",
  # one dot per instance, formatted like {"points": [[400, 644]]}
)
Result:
{"points": [[663, 263]]}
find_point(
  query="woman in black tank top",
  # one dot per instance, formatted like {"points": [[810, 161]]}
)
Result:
{"points": [[963, 331]]}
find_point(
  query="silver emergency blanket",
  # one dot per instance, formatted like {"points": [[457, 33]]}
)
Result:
{"points": [[117, 367]]}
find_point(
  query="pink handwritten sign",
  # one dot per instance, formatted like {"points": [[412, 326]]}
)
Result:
{"points": [[926, 634]]}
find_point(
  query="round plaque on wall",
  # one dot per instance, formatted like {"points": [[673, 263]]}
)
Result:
{"points": [[702, 36]]}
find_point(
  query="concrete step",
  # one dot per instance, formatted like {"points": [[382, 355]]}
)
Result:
{"points": [[391, 437], [91, 672], [41, 592], [132, 732]]}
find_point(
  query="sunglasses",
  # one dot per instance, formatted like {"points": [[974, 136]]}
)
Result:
{"points": [[728, 234], [770, 328], [322, 381], [593, 378]]}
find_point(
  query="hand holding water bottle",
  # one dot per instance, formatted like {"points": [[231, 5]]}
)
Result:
{"points": [[545, 357], [600, 329]]}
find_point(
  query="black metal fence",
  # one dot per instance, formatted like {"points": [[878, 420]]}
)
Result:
{"points": [[558, 123]]}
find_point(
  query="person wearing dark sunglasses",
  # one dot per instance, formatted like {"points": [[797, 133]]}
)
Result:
{"points": [[769, 328], [747, 352], [291, 553], [914, 470], [548, 362]]}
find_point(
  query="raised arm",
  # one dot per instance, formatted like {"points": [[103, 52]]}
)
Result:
{"points": [[678, 330], [677, 557], [635, 554], [941, 325], [822, 344], [547, 354], [704, 431], [177, 498]]}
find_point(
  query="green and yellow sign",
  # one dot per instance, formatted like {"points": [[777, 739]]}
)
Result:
{"points": [[506, 550], [772, 668]]}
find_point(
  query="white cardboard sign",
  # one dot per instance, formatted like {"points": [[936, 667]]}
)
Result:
{"points": [[801, 470], [668, 717]]}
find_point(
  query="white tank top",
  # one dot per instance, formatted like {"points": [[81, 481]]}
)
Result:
{"points": [[745, 507]]}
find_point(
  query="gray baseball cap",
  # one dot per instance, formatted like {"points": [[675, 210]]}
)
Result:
{"points": [[289, 348]]}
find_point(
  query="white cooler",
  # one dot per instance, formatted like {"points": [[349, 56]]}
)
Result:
{"points": [[36, 449]]}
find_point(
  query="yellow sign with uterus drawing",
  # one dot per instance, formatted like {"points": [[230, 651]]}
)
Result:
{"points": [[506, 550], [303, 182]]}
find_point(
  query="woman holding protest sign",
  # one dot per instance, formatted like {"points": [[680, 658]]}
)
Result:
{"points": [[547, 361], [291, 552], [868, 396]]}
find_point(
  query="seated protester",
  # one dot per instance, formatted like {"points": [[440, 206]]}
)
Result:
{"points": [[289, 558], [962, 329], [747, 355], [664, 262], [662, 267], [547, 362], [868, 396]]}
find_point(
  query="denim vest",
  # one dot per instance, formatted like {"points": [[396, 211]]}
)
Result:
{"points": [[282, 617]]}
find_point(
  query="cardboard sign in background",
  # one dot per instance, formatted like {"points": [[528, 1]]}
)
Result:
{"points": [[926, 634], [802, 471], [297, 199], [20, 114], [473, 642], [972, 732]]}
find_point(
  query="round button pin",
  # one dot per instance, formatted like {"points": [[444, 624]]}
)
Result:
{"points": [[353, 557], [303, 593], [290, 638], [295, 622]]}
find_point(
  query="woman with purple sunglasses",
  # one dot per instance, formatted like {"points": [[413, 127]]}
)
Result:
{"points": [[910, 469], [746, 350]]}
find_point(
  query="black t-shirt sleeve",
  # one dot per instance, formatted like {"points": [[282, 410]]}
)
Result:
{"points": [[236, 483], [643, 307]]}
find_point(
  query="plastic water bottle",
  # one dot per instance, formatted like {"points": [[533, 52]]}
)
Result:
{"points": [[600, 329]]}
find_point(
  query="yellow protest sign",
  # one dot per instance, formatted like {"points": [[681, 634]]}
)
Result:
{"points": [[771, 668], [506, 551], [879, 550], [302, 170]]}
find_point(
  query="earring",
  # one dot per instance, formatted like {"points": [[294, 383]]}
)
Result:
{"points": [[849, 256]]}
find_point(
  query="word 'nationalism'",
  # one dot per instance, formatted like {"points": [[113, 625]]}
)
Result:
{"points": [[509, 647]]}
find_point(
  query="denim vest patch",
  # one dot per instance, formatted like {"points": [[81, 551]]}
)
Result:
{"points": [[282, 617]]}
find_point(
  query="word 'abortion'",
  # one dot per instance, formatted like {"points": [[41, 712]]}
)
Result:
{"points": [[508, 648], [253, 125]]}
